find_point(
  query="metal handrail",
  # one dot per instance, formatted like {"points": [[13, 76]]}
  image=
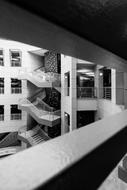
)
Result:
{"points": [[105, 92], [86, 92], [39, 111], [45, 106]]}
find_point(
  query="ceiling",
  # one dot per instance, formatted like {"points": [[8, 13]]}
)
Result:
{"points": [[103, 22]]}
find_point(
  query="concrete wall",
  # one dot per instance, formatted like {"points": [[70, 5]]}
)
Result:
{"points": [[86, 104], [68, 103], [120, 88], [31, 89], [125, 90], [8, 72], [107, 108], [33, 61]]}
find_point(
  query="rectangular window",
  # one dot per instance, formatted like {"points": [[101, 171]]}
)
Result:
{"points": [[16, 86], [15, 56], [16, 114], [67, 83], [1, 85], [1, 57], [1, 113], [67, 121]]}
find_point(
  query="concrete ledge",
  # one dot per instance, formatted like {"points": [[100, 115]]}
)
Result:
{"points": [[71, 153]]}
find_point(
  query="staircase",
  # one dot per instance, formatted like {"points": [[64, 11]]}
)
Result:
{"points": [[36, 139], [37, 111], [40, 78], [8, 140], [34, 136], [39, 94]]}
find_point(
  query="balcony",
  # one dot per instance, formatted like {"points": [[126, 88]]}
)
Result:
{"points": [[40, 112], [40, 78], [86, 92]]}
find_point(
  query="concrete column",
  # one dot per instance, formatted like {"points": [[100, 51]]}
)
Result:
{"points": [[113, 86], [7, 59], [7, 114], [125, 90], [73, 95], [68, 103], [96, 80], [119, 88], [23, 145]]}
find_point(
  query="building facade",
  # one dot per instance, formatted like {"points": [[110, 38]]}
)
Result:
{"points": [[44, 94]]}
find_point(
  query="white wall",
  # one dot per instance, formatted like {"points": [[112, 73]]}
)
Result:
{"points": [[33, 61], [8, 72], [68, 103], [107, 108], [86, 104]]}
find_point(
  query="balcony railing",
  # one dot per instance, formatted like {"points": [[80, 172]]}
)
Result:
{"points": [[105, 93], [40, 111], [15, 90], [16, 116], [1, 117], [86, 92], [1, 90], [45, 106], [42, 76]]}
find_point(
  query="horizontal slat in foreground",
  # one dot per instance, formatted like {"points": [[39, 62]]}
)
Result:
{"points": [[67, 162]]}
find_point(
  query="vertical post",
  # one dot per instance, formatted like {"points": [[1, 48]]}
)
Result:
{"points": [[73, 94], [113, 86]]}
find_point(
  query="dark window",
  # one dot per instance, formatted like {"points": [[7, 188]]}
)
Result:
{"points": [[1, 85], [16, 114], [1, 58], [67, 83], [16, 86], [1, 113], [67, 121], [15, 57]]}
